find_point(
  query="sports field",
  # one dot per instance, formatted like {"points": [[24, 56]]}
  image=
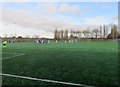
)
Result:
{"points": [[60, 64]]}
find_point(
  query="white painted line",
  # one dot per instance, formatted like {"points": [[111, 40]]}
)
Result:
{"points": [[45, 80], [115, 49], [9, 53], [84, 48], [13, 56]]}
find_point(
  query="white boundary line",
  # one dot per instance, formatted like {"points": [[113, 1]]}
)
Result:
{"points": [[84, 48], [45, 80], [9, 53], [115, 49], [13, 56]]}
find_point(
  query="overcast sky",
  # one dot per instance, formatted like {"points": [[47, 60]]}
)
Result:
{"points": [[42, 18]]}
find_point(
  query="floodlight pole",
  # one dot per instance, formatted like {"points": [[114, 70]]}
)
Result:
{"points": [[15, 29]]}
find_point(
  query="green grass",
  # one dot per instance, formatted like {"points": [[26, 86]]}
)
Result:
{"points": [[89, 63]]}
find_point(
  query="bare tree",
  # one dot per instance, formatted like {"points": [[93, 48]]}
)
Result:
{"points": [[59, 34], [55, 34], [86, 33], [114, 31], [62, 34], [100, 31], [92, 33], [66, 34], [104, 30], [79, 33], [71, 34], [96, 32]]}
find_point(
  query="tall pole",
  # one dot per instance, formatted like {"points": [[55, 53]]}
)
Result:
{"points": [[113, 32], [15, 31]]}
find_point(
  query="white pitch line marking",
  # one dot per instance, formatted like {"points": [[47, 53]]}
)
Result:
{"points": [[13, 56], [115, 49], [45, 80], [9, 53]]}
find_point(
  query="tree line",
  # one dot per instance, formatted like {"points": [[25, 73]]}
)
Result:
{"points": [[101, 32], [60, 34]]}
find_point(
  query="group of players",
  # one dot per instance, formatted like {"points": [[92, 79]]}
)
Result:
{"points": [[41, 41], [4, 43]]}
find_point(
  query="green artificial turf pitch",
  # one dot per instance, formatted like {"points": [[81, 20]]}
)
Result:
{"points": [[89, 63]]}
